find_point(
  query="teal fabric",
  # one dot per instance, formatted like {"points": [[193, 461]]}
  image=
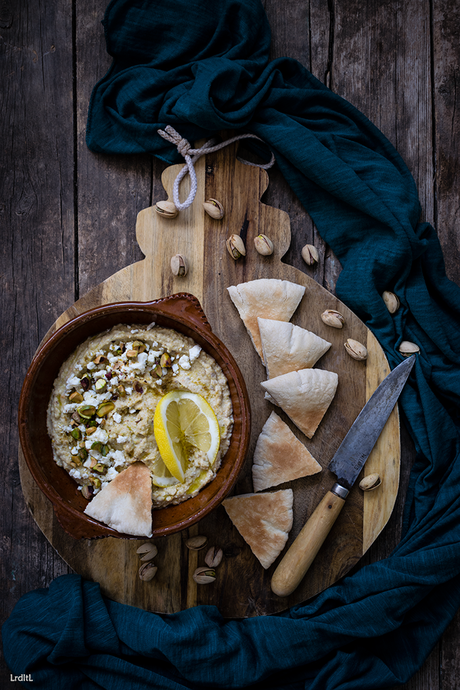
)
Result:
{"points": [[202, 67]]}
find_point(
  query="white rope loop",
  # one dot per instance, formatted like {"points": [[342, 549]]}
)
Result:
{"points": [[192, 155]]}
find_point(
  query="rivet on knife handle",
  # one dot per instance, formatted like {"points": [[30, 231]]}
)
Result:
{"points": [[308, 542]]}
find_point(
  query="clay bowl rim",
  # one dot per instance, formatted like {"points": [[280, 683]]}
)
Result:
{"points": [[187, 316]]}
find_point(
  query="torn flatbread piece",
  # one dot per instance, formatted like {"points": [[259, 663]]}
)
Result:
{"points": [[125, 504], [288, 348], [279, 456], [263, 520], [304, 395], [268, 298]]}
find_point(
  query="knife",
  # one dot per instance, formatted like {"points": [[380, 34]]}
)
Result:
{"points": [[346, 464]]}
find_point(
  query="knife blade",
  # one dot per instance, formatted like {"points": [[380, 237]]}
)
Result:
{"points": [[346, 464]]}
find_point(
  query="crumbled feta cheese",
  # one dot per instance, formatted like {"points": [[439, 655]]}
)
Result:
{"points": [[87, 463], [184, 362], [99, 374], [175, 368], [117, 417], [122, 439], [194, 352], [72, 382], [114, 381], [70, 407], [118, 457], [135, 330], [90, 366], [74, 451], [99, 435], [111, 474], [128, 390], [75, 473]]}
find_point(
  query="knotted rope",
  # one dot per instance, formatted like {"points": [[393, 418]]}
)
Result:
{"points": [[192, 155]]}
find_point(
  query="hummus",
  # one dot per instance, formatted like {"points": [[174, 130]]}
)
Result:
{"points": [[100, 415]]}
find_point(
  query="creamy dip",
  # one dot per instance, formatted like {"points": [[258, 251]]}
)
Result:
{"points": [[100, 415]]}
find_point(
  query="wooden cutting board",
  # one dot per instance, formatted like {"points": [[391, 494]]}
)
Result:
{"points": [[242, 587]]}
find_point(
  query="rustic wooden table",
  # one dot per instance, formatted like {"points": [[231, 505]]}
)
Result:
{"points": [[68, 216]]}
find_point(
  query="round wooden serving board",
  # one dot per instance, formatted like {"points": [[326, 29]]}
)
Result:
{"points": [[242, 587]]}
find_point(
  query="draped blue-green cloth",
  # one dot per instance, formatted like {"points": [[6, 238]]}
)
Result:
{"points": [[203, 67]]}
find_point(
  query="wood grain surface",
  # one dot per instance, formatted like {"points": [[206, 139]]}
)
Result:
{"points": [[68, 217], [242, 587]]}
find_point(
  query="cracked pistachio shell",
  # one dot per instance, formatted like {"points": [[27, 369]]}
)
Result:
{"points": [[391, 301], [166, 209], [333, 318], [235, 246], [213, 557], [204, 575], [371, 482], [179, 265], [147, 571], [214, 208], [407, 348], [147, 551], [310, 254], [355, 349], [196, 543], [263, 245]]}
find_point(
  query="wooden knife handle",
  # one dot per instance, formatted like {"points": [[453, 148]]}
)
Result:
{"points": [[301, 554]]}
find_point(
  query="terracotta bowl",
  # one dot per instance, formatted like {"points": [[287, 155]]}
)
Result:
{"points": [[183, 313]]}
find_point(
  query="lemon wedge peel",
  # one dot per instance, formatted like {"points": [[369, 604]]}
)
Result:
{"points": [[182, 422]]}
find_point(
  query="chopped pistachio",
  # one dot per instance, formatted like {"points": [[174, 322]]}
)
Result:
{"points": [[87, 411], [90, 430], [75, 397], [97, 445], [100, 468], [76, 434], [95, 481], [83, 453], [101, 385], [165, 360], [104, 408]]}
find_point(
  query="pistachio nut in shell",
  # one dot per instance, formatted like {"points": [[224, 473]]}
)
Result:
{"points": [[355, 349], [179, 265], [333, 318], [213, 557], [310, 254], [214, 208], [166, 209], [371, 482], [147, 571], [235, 246], [196, 543], [391, 300], [147, 551], [263, 245], [204, 575], [407, 348]]}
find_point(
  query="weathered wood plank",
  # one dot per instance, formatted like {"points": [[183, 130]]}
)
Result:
{"points": [[446, 77], [36, 251], [111, 189]]}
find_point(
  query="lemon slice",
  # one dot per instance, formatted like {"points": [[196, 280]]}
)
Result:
{"points": [[184, 421], [160, 474]]}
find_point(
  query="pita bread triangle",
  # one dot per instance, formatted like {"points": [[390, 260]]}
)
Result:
{"points": [[279, 456], [268, 298], [304, 395], [263, 520], [289, 348], [125, 504]]}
